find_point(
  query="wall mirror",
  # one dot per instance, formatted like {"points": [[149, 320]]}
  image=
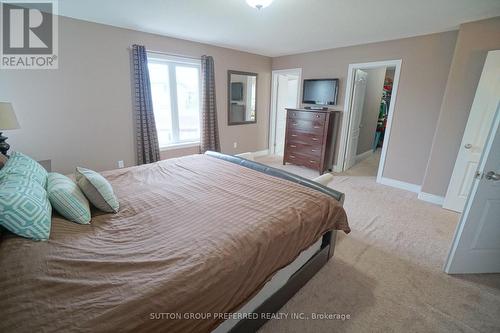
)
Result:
{"points": [[242, 98]]}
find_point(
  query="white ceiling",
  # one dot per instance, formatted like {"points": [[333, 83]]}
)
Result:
{"points": [[286, 26]]}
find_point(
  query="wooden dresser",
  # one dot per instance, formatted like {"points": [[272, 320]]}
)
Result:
{"points": [[309, 138]]}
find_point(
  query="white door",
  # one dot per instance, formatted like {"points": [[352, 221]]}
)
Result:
{"points": [[281, 100], [358, 100], [287, 97], [476, 245], [480, 118]]}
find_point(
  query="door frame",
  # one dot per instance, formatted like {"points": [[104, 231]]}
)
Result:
{"points": [[274, 102], [346, 119]]}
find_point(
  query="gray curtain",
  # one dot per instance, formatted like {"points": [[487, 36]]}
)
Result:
{"points": [[148, 149], [209, 128]]}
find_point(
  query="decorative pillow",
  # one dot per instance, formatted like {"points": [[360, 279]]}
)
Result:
{"points": [[97, 189], [67, 198], [26, 167], [24, 207]]}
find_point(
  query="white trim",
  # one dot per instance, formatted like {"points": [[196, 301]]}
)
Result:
{"points": [[347, 110], [253, 154], [337, 168], [399, 184], [364, 156], [432, 198], [180, 146], [272, 114], [172, 62], [427, 197], [260, 153]]}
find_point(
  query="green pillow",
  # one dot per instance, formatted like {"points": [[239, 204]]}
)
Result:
{"points": [[97, 189], [24, 166], [67, 199], [24, 207]]}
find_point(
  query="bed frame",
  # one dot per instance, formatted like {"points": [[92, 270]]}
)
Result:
{"points": [[277, 300], [303, 274]]}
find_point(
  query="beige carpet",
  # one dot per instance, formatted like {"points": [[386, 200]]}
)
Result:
{"points": [[387, 274]]}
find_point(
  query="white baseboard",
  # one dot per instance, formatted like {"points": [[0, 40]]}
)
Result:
{"points": [[252, 155], [432, 198], [427, 197], [363, 156], [260, 153], [399, 184]]}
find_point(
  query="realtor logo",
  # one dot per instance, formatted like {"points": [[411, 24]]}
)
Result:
{"points": [[29, 35]]}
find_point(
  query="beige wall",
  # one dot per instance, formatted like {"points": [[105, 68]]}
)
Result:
{"points": [[425, 64], [371, 108], [81, 114], [474, 41]]}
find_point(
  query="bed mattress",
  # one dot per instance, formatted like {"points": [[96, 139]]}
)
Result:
{"points": [[194, 235]]}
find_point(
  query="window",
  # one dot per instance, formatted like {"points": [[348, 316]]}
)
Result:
{"points": [[175, 88]]}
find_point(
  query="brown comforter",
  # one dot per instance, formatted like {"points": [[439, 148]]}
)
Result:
{"points": [[193, 235]]}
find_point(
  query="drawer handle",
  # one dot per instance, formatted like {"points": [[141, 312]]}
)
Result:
{"points": [[294, 135], [316, 126], [314, 139], [293, 146], [314, 150], [294, 124], [291, 156], [311, 161]]}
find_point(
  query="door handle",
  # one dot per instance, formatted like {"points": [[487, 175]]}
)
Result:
{"points": [[467, 146], [492, 175]]}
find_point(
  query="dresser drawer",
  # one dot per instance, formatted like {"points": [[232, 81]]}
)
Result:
{"points": [[306, 126], [307, 115], [304, 149], [306, 138], [300, 159]]}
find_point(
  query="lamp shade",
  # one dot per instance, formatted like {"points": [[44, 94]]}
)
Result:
{"points": [[8, 119]]}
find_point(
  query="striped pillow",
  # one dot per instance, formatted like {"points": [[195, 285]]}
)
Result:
{"points": [[97, 189], [67, 199]]}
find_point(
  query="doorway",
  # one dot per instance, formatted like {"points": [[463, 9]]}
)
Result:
{"points": [[370, 98], [285, 94]]}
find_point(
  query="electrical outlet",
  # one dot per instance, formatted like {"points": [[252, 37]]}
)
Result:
{"points": [[235, 144], [120, 164]]}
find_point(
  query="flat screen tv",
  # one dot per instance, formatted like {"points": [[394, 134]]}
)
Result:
{"points": [[320, 91]]}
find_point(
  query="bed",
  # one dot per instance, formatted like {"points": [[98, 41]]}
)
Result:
{"points": [[196, 239]]}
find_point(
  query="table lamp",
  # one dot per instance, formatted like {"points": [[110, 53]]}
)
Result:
{"points": [[8, 121]]}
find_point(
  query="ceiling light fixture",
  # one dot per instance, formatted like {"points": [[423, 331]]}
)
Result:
{"points": [[259, 4]]}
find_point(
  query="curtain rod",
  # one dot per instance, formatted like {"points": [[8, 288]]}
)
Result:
{"points": [[171, 54]]}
